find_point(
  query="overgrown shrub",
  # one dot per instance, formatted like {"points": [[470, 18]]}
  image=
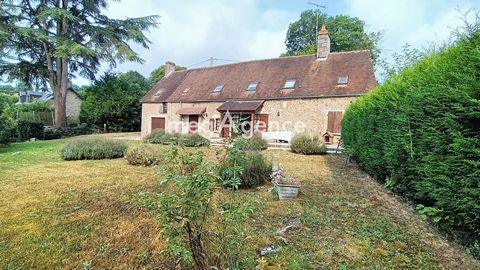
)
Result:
{"points": [[308, 145], [419, 133], [243, 169], [142, 155], [253, 143], [193, 140], [27, 129], [160, 137], [204, 231], [256, 171], [93, 148]]}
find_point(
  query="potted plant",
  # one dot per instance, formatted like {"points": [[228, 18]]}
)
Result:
{"points": [[286, 187]]}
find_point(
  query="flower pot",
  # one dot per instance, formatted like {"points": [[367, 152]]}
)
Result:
{"points": [[286, 192]]}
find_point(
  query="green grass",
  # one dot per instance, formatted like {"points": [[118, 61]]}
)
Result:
{"points": [[80, 214]]}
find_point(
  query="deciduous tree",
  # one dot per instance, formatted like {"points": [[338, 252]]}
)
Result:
{"points": [[346, 34]]}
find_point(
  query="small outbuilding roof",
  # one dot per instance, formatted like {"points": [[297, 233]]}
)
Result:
{"points": [[241, 106], [191, 110]]}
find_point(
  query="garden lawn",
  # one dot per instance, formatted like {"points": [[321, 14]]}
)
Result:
{"points": [[89, 215]]}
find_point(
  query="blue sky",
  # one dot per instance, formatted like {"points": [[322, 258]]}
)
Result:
{"points": [[194, 30]]}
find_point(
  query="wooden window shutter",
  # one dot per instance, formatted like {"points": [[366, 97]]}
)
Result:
{"points": [[263, 122], [334, 122]]}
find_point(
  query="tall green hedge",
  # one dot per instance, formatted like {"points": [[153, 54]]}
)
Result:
{"points": [[419, 134]]}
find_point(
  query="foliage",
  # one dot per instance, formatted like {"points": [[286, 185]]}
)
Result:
{"points": [[253, 143], [27, 129], [400, 60], [51, 133], [158, 73], [186, 208], [93, 148], [34, 106], [6, 131], [201, 233], [193, 140], [256, 170], [308, 145], [142, 155], [346, 34], [52, 41], [243, 169], [188, 140], [6, 100], [115, 101], [420, 133], [161, 137], [231, 167]]}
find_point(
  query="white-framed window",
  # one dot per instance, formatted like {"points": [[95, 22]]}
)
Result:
{"points": [[252, 86], [218, 88], [289, 84], [343, 79]]}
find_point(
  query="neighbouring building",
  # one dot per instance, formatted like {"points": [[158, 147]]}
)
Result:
{"points": [[73, 101], [288, 94]]}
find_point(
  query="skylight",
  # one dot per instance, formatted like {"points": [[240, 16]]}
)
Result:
{"points": [[289, 84], [218, 88], [252, 87], [159, 92], [343, 80], [185, 91]]}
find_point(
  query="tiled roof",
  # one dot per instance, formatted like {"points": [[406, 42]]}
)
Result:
{"points": [[191, 110], [241, 105], [314, 78]]}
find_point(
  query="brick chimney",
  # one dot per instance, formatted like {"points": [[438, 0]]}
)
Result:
{"points": [[169, 68], [323, 43]]}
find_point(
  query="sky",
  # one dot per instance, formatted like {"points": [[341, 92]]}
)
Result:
{"points": [[191, 31]]}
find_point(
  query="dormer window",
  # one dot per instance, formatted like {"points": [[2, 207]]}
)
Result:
{"points": [[185, 91], [289, 84], [252, 87], [218, 88], [343, 79]]}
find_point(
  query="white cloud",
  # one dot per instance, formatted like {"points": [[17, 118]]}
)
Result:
{"points": [[192, 31], [418, 23]]}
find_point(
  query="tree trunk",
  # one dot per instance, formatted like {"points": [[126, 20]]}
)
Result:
{"points": [[60, 94], [61, 84]]}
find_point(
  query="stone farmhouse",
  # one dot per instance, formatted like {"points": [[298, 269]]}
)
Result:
{"points": [[73, 101], [299, 94]]}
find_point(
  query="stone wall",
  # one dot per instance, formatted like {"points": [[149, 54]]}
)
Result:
{"points": [[283, 115], [73, 103]]}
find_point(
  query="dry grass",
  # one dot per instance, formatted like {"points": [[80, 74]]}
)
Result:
{"points": [[81, 214]]}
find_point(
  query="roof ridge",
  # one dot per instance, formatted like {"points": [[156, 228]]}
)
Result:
{"points": [[254, 60], [355, 51]]}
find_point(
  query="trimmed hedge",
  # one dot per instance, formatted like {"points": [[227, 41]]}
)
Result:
{"points": [[308, 145], [419, 134], [93, 148]]}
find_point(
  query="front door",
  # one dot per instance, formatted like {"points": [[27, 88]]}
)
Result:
{"points": [[193, 123], [158, 123]]}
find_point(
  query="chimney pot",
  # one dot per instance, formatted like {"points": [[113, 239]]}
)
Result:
{"points": [[169, 68]]}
